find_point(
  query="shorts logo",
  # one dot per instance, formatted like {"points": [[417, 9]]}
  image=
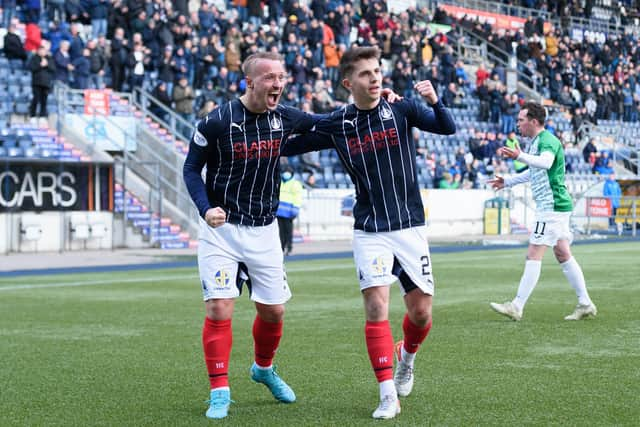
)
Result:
{"points": [[222, 279], [378, 267]]}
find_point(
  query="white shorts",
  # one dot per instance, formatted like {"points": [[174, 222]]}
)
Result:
{"points": [[225, 252], [551, 227], [383, 257]]}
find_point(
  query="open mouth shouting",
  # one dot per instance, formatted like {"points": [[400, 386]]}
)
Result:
{"points": [[272, 99]]}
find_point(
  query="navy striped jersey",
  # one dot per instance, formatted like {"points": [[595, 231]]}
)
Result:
{"points": [[377, 150], [241, 150]]}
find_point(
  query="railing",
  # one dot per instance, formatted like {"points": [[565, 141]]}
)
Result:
{"points": [[499, 8], [625, 217], [621, 152], [591, 24], [497, 55], [144, 101], [172, 161], [160, 171]]}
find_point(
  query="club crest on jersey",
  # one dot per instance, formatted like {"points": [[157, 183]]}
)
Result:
{"points": [[378, 267], [276, 123], [385, 112]]}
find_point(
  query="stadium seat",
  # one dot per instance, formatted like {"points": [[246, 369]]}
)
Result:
{"points": [[22, 108], [16, 64], [15, 152], [31, 152], [24, 141], [13, 90], [9, 141]]}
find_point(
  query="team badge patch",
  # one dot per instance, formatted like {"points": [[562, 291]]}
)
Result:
{"points": [[276, 123], [199, 139], [385, 112]]}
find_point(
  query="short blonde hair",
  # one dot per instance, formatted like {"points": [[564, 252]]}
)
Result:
{"points": [[249, 64]]}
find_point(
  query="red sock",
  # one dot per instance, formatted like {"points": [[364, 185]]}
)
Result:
{"points": [[413, 334], [216, 341], [266, 337], [380, 348]]}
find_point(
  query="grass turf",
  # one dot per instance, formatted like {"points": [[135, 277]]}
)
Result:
{"points": [[123, 349]]}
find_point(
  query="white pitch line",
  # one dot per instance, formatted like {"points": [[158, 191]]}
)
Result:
{"points": [[163, 278]]}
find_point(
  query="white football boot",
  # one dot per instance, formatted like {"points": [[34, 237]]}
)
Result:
{"points": [[507, 309], [403, 377], [582, 311], [389, 407]]}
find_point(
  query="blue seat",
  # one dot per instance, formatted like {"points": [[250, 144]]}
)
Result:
{"points": [[15, 152], [22, 108], [31, 152], [14, 91], [9, 141], [25, 142], [16, 64], [13, 79], [329, 178]]}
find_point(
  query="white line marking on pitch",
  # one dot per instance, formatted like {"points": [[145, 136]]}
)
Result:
{"points": [[17, 287]]}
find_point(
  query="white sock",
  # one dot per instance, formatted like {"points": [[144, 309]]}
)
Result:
{"points": [[528, 282], [573, 273], [406, 357], [221, 388], [387, 388]]}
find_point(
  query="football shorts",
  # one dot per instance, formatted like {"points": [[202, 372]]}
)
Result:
{"points": [[383, 257], [549, 227], [231, 253]]}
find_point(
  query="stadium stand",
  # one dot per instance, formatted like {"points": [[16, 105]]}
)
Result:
{"points": [[138, 51], [159, 231]]}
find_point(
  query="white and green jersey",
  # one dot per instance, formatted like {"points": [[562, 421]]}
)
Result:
{"points": [[548, 187]]}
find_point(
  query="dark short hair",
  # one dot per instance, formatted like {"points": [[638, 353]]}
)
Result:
{"points": [[250, 62], [355, 54], [535, 111]]}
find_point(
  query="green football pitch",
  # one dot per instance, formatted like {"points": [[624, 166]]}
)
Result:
{"points": [[123, 348]]}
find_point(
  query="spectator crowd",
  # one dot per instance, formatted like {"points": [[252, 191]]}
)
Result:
{"points": [[189, 60]]}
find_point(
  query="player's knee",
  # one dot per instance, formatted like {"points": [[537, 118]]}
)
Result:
{"points": [[562, 254], [271, 313], [376, 310], [219, 309], [420, 316]]}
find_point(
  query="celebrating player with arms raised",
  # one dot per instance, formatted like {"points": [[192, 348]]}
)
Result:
{"points": [[240, 142], [373, 140]]}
